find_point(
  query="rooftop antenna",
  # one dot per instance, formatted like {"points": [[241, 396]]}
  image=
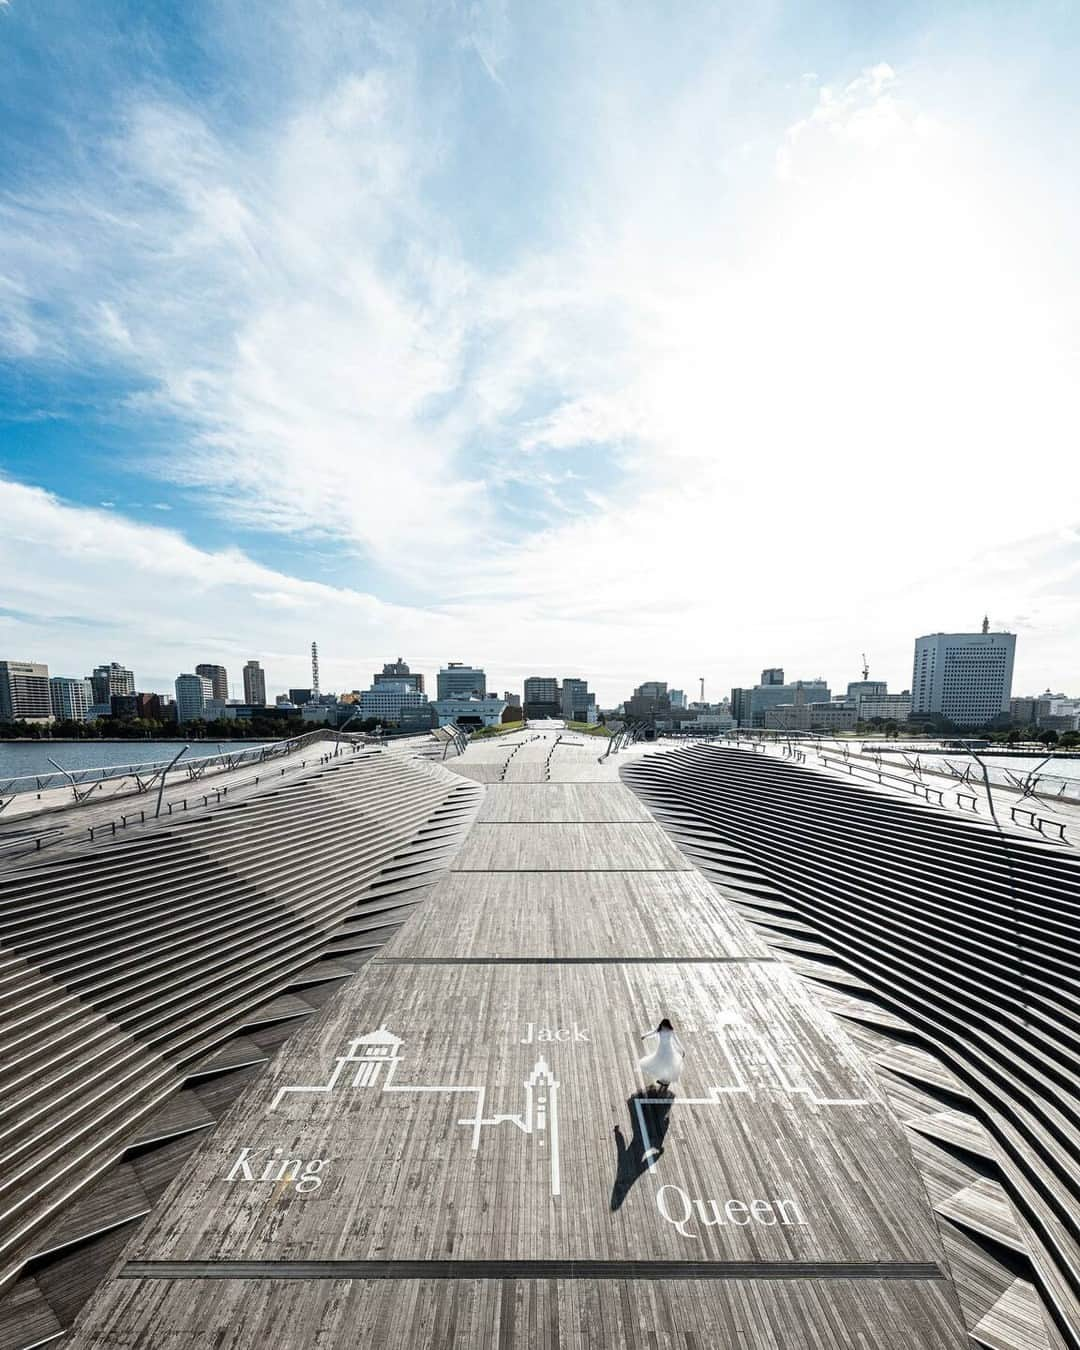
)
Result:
{"points": [[865, 667], [702, 679], [314, 670]]}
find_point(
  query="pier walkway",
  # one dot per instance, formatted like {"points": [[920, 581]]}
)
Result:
{"points": [[457, 1151]]}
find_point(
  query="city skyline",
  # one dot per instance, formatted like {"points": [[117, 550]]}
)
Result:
{"points": [[274, 685], [492, 396]]}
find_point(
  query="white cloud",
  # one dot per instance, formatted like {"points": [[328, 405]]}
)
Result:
{"points": [[770, 377]]}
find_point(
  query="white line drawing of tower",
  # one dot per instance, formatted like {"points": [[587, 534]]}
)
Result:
{"points": [[542, 1114], [376, 1055], [380, 1051], [754, 1067]]}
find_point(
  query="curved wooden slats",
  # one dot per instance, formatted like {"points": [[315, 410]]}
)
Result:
{"points": [[969, 935], [141, 984]]}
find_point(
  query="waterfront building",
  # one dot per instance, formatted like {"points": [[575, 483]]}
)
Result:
{"points": [[111, 679], [514, 700], [152, 707], [887, 707], [963, 677], [578, 704], [859, 689], [542, 697], [804, 712], [219, 680], [24, 692], [399, 670], [455, 678], [254, 683], [124, 707], [811, 716], [750, 706], [648, 702], [392, 701], [774, 695], [71, 698], [193, 692], [470, 712]]}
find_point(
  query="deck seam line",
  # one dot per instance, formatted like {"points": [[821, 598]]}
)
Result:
{"points": [[570, 960], [584, 1269]]}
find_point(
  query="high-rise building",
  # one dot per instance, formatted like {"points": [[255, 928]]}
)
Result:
{"points": [[219, 679], [749, 706], [577, 701], [193, 692], [111, 679], [543, 697], [740, 706], [649, 701], [71, 698], [963, 677], [395, 702], [859, 689], [678, 698], [772, 695], [24, 692], [301, 696], [399, 670], [254, 684], [455, 679]]}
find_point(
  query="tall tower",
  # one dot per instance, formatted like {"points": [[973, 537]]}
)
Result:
{"points": [[314, 670]]}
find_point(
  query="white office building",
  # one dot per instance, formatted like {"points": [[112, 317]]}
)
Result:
{"points": [[455, 678], [964, 677], [24, 692], [111, 679], [71, 698], [193, 693], [470, 712], [392, 701], [887, 707]]}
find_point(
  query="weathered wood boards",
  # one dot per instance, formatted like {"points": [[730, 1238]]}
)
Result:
{"points": [[473, 1096]]}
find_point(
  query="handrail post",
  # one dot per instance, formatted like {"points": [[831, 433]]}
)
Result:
{"points": [[161, 786]]}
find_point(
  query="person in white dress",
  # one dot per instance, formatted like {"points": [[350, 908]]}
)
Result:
{"points": [[664, 1065]]}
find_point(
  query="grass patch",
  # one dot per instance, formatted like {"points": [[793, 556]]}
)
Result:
{"points": [[501, 730], [587, 730]]}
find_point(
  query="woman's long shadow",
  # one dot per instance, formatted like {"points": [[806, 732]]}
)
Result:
{"points": [[634, 1159]]}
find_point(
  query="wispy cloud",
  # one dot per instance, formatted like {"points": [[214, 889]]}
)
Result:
{"points": [[731, 331]]}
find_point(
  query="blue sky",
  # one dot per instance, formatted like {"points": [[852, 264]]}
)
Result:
{"points": [[593, 339]]}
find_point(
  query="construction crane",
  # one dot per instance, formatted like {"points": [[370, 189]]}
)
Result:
{"points": [[314, 670], [865, 667]]}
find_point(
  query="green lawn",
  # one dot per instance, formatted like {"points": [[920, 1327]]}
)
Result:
{"points": [[587, 730], [500, 730]]}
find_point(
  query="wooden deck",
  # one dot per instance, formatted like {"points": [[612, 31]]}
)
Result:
{"points": [[458, 1152]]}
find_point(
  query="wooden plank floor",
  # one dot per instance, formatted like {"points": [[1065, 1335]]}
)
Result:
{"points": [[471, 1099]]}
